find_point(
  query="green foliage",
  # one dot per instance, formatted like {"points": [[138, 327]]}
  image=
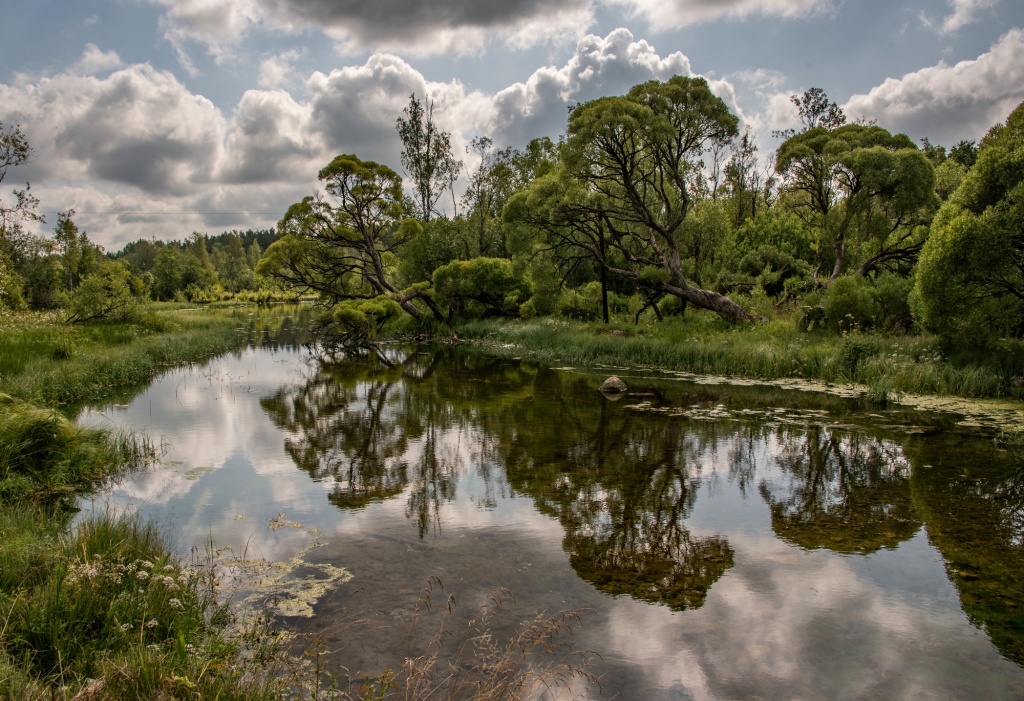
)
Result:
{"points": [[348, 248], [766, 268], [858, 303], [11, 285], [365, 317], [105, 294], [778, 228], [858, 183], [426, 155], [970, 281], [545, 280], [45, 456], [650, 141], [479, 287], [440, 241]]}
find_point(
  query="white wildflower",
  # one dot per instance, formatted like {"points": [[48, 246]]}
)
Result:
{"points": [[142, 575], [174, 604], [152, 623]]}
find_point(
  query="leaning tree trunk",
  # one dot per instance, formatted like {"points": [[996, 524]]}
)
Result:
{"points": [[712, 301]]}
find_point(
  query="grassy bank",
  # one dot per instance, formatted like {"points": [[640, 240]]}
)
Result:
{"points": [[47, 362], [703, 344], [101, 611]]}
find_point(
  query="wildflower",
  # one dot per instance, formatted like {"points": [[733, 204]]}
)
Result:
{"points": [[147, 564], [125, 627], [142, 575], [152, 623], [174, 604]]}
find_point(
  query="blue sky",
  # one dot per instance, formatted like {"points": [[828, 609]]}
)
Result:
{"points": [[156, 118]]}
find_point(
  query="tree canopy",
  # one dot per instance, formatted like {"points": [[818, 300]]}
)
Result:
{"points": [[971, 276]]}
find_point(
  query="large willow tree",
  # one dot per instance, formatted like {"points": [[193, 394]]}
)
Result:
{"points": [[343, 247], [627, 181]]}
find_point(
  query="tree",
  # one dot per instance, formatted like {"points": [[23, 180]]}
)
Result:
{"points": [[747, 180], [815, 111], [344, 249], [426, 156], [15, 151], [970, 280], [965, 153], [105, 294], [626, 185], [859, 179], [67, 235]]}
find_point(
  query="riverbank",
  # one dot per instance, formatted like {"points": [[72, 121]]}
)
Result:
{"points": [[887, 366], [103, 610]]}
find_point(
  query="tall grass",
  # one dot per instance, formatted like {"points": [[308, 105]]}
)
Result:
{"points": [[45, 457], [703, 344], [47, 362], [104, 612]]}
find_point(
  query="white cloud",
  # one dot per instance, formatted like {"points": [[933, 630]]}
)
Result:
{"points": [[139, 155], [680, 13], [269, 140], [94, 61], [964, 12], [948, 103], [600, 66], [218, 24], [279, 71], [138, 126]]}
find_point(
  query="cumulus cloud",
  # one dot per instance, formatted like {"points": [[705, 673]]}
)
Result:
{"points": [[681, 13], [94, 61], [279, 71], [445, 26], [269, 140], [948, 103], [143, 156], [599, 66], [218, 24], [138, 126]]}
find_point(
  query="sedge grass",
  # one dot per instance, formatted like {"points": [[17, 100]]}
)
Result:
{"points": [[47, 362], [702, 344]]}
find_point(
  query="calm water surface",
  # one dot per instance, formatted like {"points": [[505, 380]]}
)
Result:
{"points": [[729, 543]]}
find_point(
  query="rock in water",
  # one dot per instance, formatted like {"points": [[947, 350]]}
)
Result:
{"points": [[613, 385]]}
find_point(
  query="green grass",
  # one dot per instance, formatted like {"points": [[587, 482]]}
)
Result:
{"points": [[102, 610], [703, 344], [47, 362]]}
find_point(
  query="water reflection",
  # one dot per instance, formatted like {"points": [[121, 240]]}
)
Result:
{"points": [[734, 542], [844, 491], [970, 496]]}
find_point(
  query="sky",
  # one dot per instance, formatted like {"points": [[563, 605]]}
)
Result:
{"points": [[156, 118]]}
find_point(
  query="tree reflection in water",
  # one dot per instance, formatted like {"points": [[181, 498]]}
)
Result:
{"points": [[622, 483], [847, 492]]}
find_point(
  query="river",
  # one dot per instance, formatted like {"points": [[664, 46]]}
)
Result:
{"points": [[715, 542]]}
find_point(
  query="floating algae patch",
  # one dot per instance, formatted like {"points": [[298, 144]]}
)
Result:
{"points": [[294, 586], [197, 472], [996, 414], [280, 521]]}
